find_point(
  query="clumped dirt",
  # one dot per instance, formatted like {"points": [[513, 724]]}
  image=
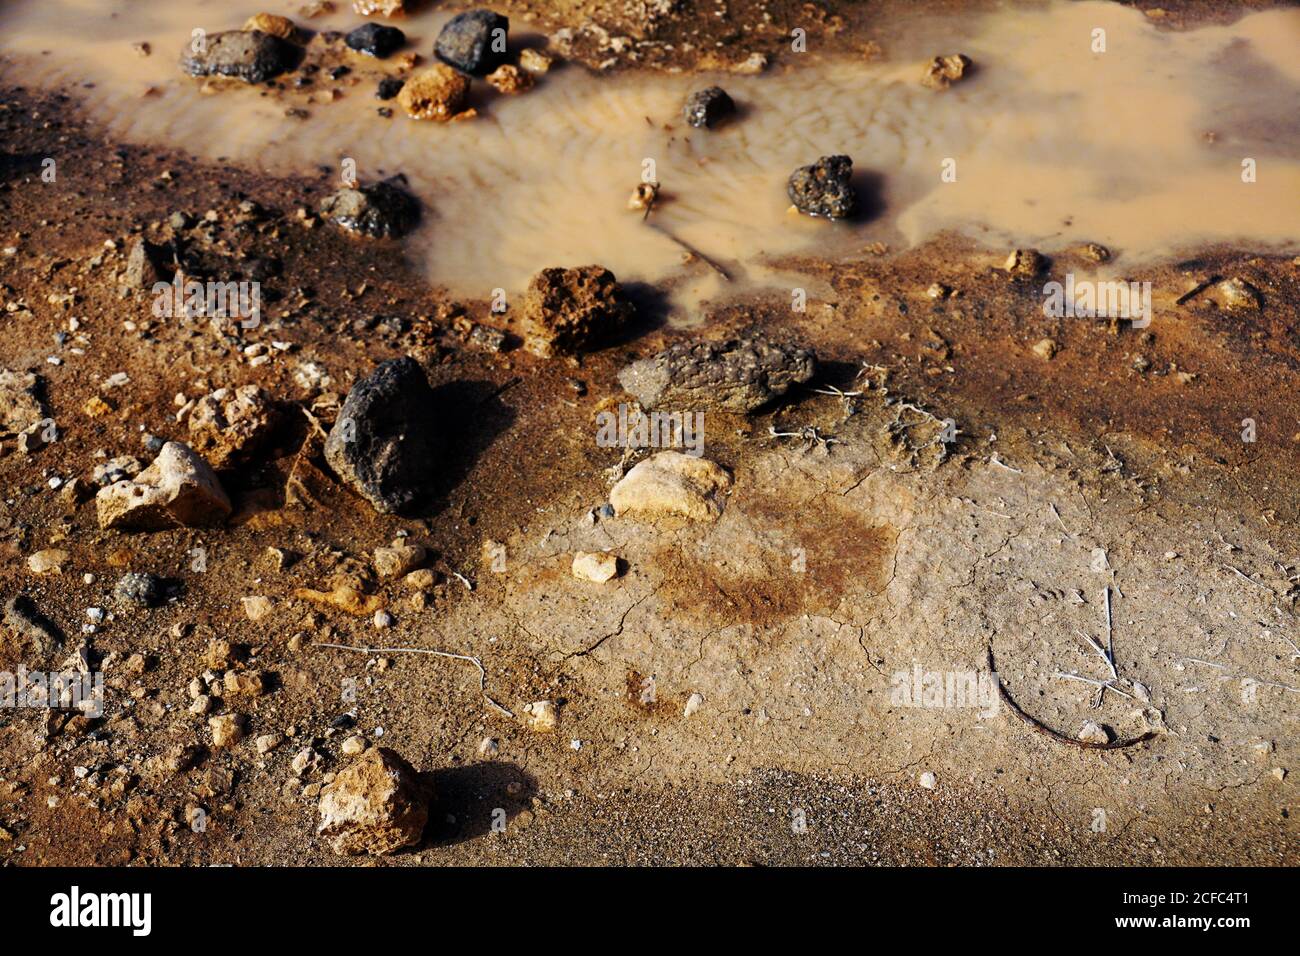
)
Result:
{"points": [[1111, 476]]}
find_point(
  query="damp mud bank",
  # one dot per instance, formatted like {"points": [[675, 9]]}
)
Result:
{"points": [[1080, 122], [980, 586]]}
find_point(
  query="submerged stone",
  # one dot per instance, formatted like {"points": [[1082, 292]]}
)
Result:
{"points": [[251, 56], [437, 94], [474, 41], [568, 310], [706, 108], [382, 209], [825, 188], [375, 39]]}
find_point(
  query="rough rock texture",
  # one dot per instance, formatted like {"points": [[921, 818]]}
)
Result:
{"points": [[24, 621], [178, 490], [438, 94], [1024, 263], [708, 107], [252, 56], [382, 209], [274, 24], [567, 310], [510, 79], [739, 375], [141, 590], [1238, 294], [376, 805], [375, 39], [227, 428], [379, 8], [825, 188], [385, 442], [671, 483], [598, 566], [395, 561], [21, 405], [474, 41], [942, 71]]}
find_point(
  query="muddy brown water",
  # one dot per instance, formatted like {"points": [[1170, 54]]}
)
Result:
{"points": [[1140, 147]]}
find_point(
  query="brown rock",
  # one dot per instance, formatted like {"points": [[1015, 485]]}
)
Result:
{"points": [[942, 71], [227, 428], [569, 310], [1024, 263], [510, 79], [376, 805], [438, 93], [20, 403]]}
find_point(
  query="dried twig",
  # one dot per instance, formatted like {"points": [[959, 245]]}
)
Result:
{"points": [[1056, 735], [482, 674], [1248, 579]]}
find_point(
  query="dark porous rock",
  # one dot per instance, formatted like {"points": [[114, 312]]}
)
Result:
{"points": [[381, 209], [824, 188], [376, 39], [568, 310], [474, 41], [251, 56], [140, 590], [386, 443], [739, 375], [389, 87], [706, 108], [34, 632]]}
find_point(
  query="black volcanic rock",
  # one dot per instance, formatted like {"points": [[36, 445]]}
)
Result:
{"points": [[386, 443]]}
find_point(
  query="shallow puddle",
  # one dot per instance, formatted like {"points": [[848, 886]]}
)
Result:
{"points": [[1140, 147]]}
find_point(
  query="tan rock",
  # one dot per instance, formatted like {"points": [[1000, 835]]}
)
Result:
{"points": [[671, 483], [379, 8], [273, 24], [244, 683], [942, 71], [541, 716], [535, 61], [598, 566], [510, 79], [227, 730], [398, 560], [438, 93], [257, 607], [421, 579], [1045, 348], [51, 560], [1238, 294], [178, 490], [1024, 263], [344, 597], [1094, 733], [20, 403], [376, 805]]}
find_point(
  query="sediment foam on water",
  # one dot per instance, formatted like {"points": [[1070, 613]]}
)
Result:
{"points": [[1139, 148]]}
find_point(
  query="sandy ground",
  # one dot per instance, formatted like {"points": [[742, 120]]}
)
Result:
{"points": [[1100, 471]]}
